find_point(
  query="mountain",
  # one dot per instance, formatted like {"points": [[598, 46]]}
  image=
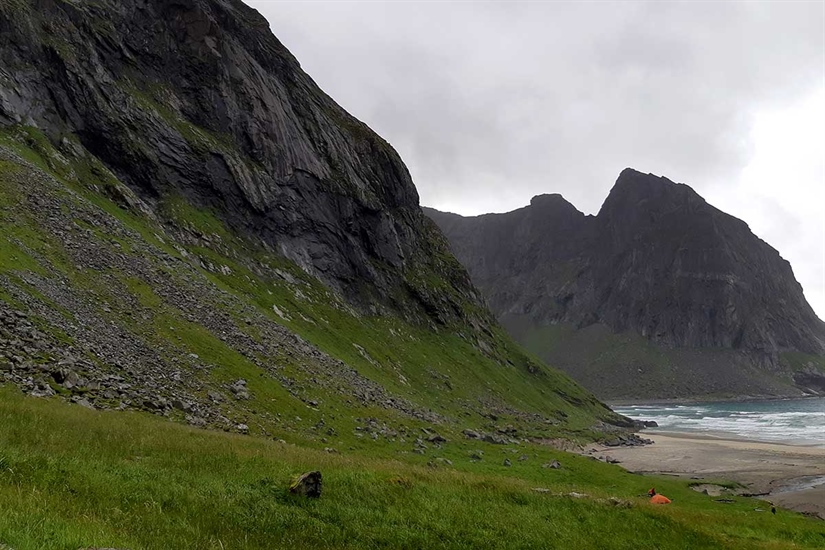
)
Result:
{"points": [[199, 100], [194, 239], [191, 227], [660, 295]]}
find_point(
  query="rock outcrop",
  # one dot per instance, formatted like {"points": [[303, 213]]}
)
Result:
{"points": [[196, 98], [657, 261]]}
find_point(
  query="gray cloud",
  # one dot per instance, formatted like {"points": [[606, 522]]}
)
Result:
{"points": [[492, 103]]}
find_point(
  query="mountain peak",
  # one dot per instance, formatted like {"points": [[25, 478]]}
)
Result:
{"points": [[635, 191], [630, 172], [548, 198], [634, 181], [553, 203]]}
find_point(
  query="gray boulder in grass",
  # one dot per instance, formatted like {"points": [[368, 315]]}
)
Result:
{"points": [[308, 485]]}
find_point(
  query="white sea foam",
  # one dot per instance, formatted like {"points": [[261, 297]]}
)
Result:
{"points": [[788, 421]]}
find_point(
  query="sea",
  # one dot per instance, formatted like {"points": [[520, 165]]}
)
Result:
{"points": [[789, 421]]}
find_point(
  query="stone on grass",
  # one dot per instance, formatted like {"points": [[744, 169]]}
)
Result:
{"points": [[471, 434], [307, 485], [495, 439], [620, 503], [239, 389], [82, 402]]}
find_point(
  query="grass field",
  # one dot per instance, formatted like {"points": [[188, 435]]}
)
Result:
{"points": [[75, 478]]}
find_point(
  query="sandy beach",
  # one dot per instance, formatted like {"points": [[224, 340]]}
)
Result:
{"points": [[785, 471]]}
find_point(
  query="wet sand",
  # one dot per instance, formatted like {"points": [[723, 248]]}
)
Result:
{"points": [[787, 472]]}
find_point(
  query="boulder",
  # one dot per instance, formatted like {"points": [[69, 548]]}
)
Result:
{"points": [[68, 378], [471, 434], [495, 439], [307, 485], [239, 390]]}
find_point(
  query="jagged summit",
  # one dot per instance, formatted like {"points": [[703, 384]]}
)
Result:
{"points": [[549, 200], [635, 190], [657, 261]]}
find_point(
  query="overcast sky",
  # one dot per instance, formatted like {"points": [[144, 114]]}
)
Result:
{"points": [[492, 103]]}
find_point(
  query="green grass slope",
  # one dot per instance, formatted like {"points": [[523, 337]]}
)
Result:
{"points": [[177, 308], [75, 478], [79, 250]]}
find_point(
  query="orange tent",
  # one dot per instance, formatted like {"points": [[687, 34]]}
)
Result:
{"points": [[659, 499]]}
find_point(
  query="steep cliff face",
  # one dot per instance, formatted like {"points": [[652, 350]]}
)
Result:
{"points": [[657, 261], [190, 227], [698, 277], [196, 98], [521, 261]]}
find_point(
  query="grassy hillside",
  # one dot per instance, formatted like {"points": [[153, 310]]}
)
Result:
{"points": [[168, 300], [158, 309], [75, 478]]}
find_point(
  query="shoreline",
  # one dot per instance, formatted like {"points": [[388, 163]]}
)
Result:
{"points": [[720, 435], [612, 403], [791, 476]]}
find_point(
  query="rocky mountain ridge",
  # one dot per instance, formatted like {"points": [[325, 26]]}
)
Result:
{"points": [[656, 261], [197, 98]]}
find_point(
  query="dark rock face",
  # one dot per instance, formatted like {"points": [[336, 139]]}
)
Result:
{"points": [[197, 99], [698, 277], [307, 485], [657, 260], [97, 362]]}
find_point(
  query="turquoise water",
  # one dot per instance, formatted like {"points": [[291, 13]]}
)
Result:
{"points": [[795, 421]]}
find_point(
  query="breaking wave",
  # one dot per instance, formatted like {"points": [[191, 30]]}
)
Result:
{"points": [[796, 421]]}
